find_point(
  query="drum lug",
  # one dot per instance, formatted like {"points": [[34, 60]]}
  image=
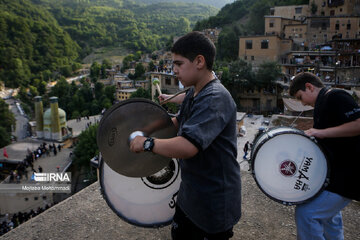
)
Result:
{"points": [[313, 138], [95, 162], [269, 134], [327, 182]]}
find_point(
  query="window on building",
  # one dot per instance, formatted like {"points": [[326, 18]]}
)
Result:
{"points": [[322, 13], [268, 103], [314, 36], [26, 199], [271, 24], [248, 44], [332, 12], [323, 4], [298, 10], [337, 26], [36, 198], [348, 26], [168, 81], [264, 44], [252, 58], [300, 35], [340, 9], [245, 57], [323, 26], [325, 36]]}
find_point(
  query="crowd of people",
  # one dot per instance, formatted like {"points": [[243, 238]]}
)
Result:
{"points": [[21, 170], [16, 219]]}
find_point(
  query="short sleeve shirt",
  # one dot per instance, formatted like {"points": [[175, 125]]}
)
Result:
{"points": [[210, 191], [335, 107]]}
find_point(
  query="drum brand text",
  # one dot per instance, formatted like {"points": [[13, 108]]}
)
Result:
{"points": [[302, 178]]}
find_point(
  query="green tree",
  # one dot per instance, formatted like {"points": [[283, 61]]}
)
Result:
{"points": [[151, 66], [33, 91], [32, 44], [66, 71], [137, 55], [95, 71], [5, 137], [237, 76], [86, 148], [139, 71], [106, 103], [106, 64], [126, 62], [141, 93], [110, 93], [7, 120], [228, 44], [267, 74], [256, 23], [99, 90], [75, 114]]}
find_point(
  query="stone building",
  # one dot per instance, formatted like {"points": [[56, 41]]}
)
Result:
{"points": [[322, 37], [168, 82], [257, 49]]}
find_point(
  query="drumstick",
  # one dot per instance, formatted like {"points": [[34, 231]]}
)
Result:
{"points": [[173, 96], [156, 84], [292, 124]]}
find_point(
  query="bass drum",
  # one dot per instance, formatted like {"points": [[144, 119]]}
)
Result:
{"points": [[288, 166], [146, 201]]}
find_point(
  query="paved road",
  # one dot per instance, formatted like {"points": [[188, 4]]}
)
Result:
{"points": [[20, 130], [252, 124]]}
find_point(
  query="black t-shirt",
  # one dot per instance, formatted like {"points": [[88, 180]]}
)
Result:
{"points": [[335, 107]]}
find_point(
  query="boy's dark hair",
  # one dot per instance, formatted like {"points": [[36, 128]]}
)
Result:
{"points": [[299, 81], [194, 44]]}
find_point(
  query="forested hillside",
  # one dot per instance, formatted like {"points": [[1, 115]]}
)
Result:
{"points": [[214, 3], [243, 17], [32, 44], [43, 39], [97, 23]]}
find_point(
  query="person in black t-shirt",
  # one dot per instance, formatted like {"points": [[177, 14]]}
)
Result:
{"points": [[337, 129]]}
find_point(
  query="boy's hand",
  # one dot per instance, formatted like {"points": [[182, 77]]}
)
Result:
{"points": [[137, 145], [318, 133], [163, 97]]}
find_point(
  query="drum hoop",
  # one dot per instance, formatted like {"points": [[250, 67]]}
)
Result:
{"points": [[128, 101], [103, 193], [299, 132]]}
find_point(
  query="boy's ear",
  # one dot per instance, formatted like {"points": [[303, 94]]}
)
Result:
{"points": [[309, 86], [200, 62]]}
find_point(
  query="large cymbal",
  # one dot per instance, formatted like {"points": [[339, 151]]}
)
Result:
{"points": [[121, 121]]}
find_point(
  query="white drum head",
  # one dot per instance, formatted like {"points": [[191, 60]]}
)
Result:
{"points": [[148, 201], [289, 167]]}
